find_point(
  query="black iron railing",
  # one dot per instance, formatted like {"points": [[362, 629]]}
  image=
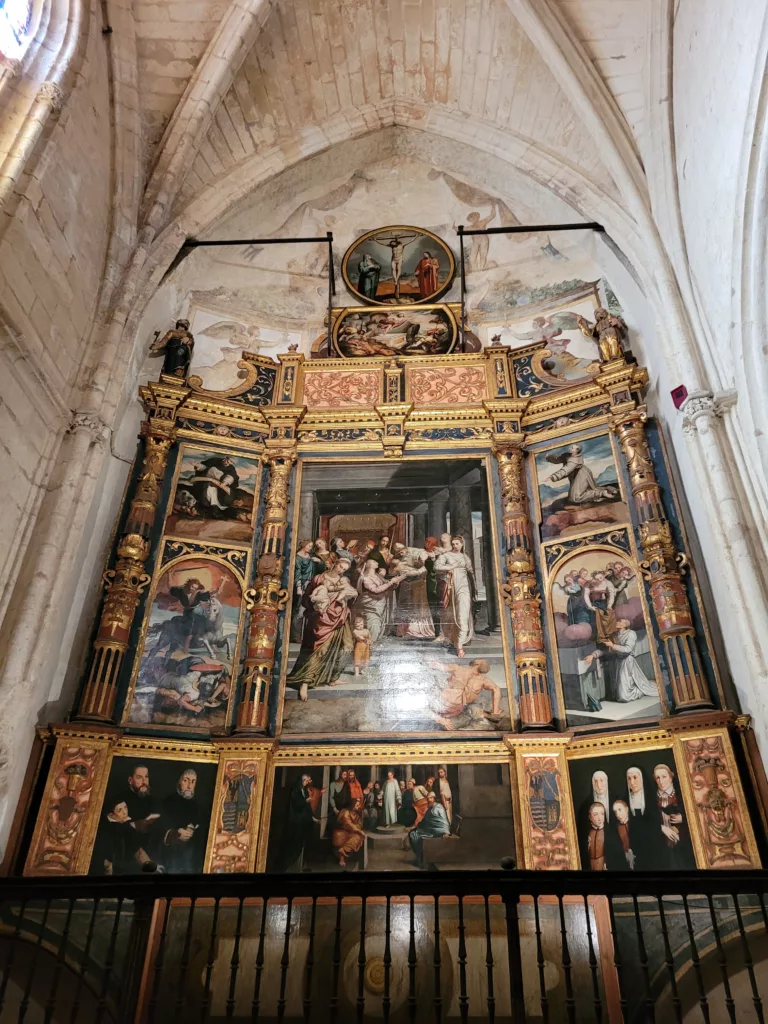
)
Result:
{"points": [[471, 946]]}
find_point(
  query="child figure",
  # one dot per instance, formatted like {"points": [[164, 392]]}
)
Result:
{"points": [[361, 654]]}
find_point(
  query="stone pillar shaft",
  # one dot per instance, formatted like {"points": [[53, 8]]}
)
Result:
{"points": [[267, 597], [664, 566], [521, 590], [125, 583]]}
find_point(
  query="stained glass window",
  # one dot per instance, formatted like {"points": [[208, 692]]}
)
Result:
{"points": [[14, 24]]}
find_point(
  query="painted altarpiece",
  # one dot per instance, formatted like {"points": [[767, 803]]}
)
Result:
{"points": [[301, 435]]}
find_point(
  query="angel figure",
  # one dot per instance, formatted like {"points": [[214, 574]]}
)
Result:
{"points": [[608, 330], [176, 347], [556, 358]]}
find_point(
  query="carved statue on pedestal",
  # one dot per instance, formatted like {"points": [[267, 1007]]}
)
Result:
{"points": [[176, 346], [609, 331]]}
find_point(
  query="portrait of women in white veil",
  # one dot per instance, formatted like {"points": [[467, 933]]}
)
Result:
{"points": [[456, 596]]}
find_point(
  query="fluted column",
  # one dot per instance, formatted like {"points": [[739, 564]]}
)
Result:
{"points": [[267, 597], [521, 592], [664, 565], [125, 583]]}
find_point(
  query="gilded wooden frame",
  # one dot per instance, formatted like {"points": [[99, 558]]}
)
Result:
{"points": [[348, 311], [338, 459], [319, 755], [550, 747], [404, 228], [160, 569]]}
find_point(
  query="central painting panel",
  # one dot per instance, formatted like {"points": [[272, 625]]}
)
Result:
{"points": [[394, 623]]}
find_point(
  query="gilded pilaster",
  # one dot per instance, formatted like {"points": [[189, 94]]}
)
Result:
{"points": [[125, 583], [267, 598], [521, 590], [663, 564]]}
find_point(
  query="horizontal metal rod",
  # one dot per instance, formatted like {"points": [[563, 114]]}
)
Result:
{"points": [[530, 228], [194, 243]]}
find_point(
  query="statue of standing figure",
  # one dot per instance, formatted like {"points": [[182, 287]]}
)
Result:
{"points": [[176, 346], [608, 330]]}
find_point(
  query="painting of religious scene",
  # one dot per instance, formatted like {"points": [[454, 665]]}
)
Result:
{"points": [[214, 496], [390, 817], [603, 643], [630, 814], [395, 622], [405, 331], [579, 488], [155, 811], [186, 668], [397, 265]]}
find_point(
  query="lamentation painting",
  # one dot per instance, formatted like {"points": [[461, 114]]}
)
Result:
{"points": [[579, 488], [630, 814], [186, 668], [398, 265], [398, 330], [390, 817], [155, 810], [395, 623], [214, 496], [607, 670]]}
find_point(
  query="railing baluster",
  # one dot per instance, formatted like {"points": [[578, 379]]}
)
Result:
{"points": [[412, 966], [540, 962], [570, 1002], [185, 959], [334, 1002], [385, 999], [24, 1004], [360, 1001], [514, 958], [205, 1004], [309, 964], [650, 1006], [748, 962], [234, 963], [703, 1002], [669, 960], [159, 962], [463, 997], [437, 964], [617, 960], [51, 1003], [596, 1000], [722, 963], [256, 1001], [13, 944], [83, 966], [490, 999], [285, 960], [109, 962]]}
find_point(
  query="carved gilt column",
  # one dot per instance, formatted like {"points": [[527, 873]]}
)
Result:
{"points": [[125, 583], [663, 563], [521, 591], [267, 598]]}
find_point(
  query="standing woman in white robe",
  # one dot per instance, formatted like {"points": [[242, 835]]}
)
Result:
{"points": [[631, 683], [456, 591]]}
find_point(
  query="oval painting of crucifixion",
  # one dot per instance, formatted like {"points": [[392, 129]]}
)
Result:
{"points": [[397, 265]]}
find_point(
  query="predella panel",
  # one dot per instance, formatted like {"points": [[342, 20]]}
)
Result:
{"points": [[607, 670], [393, 615], [154, 810], [630, 814], [214, 496], [185, 671], [398, 264], [390, 817]]}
